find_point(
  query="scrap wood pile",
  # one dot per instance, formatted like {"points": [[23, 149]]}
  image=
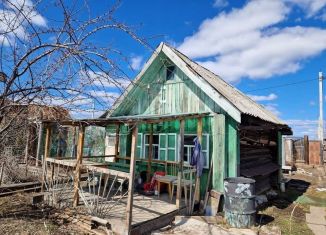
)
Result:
{"points": [[18, 210], [258, 163]]}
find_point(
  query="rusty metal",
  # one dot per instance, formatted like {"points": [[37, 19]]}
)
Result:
{"points": [[239, 205]]}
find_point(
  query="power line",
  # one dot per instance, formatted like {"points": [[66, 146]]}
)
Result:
{"points": [[283, 85]]}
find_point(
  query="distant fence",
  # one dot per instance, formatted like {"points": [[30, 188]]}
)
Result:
{"points": [[302, 150]]}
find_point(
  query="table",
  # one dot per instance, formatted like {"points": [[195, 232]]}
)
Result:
{"points": [[167, 179]]}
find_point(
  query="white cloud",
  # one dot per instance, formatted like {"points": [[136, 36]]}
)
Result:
{"points": [[303, 127], [311, 7], [220, 3], [101, 79], [269, 97], [273, 108], [312, 103], [136, 62], [246, 42], [15, 16]]}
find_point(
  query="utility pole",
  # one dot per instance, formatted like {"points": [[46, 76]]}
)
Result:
{"points": [[321, 118]]}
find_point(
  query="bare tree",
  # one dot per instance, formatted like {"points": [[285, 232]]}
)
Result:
{"points": [[58, 61]]}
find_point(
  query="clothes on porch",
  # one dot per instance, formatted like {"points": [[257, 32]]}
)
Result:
{"points": [[197, 158]]}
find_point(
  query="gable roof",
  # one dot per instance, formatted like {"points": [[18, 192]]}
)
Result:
{"points": [[233, 101]]}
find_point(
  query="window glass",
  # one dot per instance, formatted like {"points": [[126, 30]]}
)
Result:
{"points": [[170, 72], [155, 146]]}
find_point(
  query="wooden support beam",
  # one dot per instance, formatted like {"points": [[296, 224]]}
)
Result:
{"points": [[200, 138], [150, 154], [27, 145], [46, 154], [180, 171], [131, 178], [80, 146], [117, 142], [306, 149], [39, 144]]}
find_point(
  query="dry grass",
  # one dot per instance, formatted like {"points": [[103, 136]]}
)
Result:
{"points": [[12, 221]]}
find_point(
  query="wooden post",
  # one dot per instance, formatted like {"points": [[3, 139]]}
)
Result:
{"points": [[150, 154], [27, 145], [39, 143], [73, 147], [117, 142], [131, 178], [46, 154], [180, 171], [1, 171], [306, 149], [80, 146], [200, 138]]}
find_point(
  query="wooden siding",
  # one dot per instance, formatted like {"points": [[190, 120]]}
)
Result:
{"points": [[182, 95]]}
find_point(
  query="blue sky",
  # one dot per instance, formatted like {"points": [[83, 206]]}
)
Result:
{"points": [[253, 44], [259, 46]]}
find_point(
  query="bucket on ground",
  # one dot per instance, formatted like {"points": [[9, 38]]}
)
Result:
{"points": [[239, 203]]}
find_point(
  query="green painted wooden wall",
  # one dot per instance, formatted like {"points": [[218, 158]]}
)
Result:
{"points": [[182, 96]]}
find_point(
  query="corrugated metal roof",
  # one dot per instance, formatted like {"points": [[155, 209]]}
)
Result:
{"points": [[241, 101]]}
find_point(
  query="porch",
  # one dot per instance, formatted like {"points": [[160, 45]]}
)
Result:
{"points": [[107, 189]]}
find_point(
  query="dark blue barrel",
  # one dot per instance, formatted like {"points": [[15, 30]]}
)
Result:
{"points": [[239, 204]]}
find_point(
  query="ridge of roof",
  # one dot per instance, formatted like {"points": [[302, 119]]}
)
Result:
{"points": [[242, 102]]}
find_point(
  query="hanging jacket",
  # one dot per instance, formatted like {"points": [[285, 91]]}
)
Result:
{"points": [[197, 158]]}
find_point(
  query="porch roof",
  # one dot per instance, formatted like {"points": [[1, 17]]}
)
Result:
{"points": [[136, 119]]}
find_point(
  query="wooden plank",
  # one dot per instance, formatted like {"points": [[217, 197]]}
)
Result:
{"points": [[218, 151], [46, 154], [150, 153], [107, 171], [209, 90], [1, 171], [233, 153], [200, 138], [117, 142], [80, 146], [39, 144], [306, 149], [180, 172], [131, 178]]}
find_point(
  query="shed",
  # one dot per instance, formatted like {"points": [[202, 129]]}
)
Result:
{"points": [[240, 136]]}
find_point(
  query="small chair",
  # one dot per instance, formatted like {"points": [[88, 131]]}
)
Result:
{"points": [[187, 181]]}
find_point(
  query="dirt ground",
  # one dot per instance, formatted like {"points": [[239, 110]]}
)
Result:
{"points": [[282, 214], [18, 216], [287, 211]]}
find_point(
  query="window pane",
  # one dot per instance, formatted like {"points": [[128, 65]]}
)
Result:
{"points": [[155, 152], [155, 139], [171, 141], [205, 159], [185, 157], [139, 140], [171, 155], [204, 142], [189, 139], [162, 154], [162, 141]]}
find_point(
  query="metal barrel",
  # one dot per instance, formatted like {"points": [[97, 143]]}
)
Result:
{"points": [[239, 203]]}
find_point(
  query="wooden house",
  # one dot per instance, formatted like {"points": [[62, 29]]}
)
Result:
{"points": [[240, 136], [151, 128]]}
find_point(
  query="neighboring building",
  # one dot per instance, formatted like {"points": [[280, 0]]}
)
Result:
{"points": [[239, 135], [23, 119]]}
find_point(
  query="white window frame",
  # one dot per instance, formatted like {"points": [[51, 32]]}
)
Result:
{"points": [[140, 146], [169, 148], [159, 146], [154, 145], [190, 146]]}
